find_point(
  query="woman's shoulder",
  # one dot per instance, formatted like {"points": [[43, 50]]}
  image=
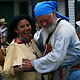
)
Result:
{"points": [[13, 42], [33, 40]]}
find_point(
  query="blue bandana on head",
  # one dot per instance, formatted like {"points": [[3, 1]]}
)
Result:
{"points": [[46, 7]]}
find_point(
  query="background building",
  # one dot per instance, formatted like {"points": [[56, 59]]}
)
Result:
{"points": [[77, 10], [10, 8]]}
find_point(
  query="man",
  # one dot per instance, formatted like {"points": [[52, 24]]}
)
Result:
{"points": [[37, 34], [61, 35], [78, 29], [3, 27]]}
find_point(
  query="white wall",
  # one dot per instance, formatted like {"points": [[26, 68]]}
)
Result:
{"points": [[71, 7], [61, 7], [72, 11]]}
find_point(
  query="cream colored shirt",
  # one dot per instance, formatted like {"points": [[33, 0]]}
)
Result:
{"points": [[15, 53]]}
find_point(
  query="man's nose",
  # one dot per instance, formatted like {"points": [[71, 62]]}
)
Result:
{"points": [[44, 24]]}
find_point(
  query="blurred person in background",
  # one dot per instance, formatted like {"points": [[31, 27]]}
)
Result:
{"points": [[78, 29], [37, 34], [3, 27], [3, 35]]}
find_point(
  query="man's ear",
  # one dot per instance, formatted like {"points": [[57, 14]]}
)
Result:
{"points": [[53, 13]]}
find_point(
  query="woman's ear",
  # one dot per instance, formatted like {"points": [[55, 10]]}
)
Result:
{"points": [[15, 30]]}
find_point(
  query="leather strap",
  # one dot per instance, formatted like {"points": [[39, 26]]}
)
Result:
{"points": [[52, 32]]}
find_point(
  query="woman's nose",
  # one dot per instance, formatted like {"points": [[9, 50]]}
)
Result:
{"points": [[26, 28]]}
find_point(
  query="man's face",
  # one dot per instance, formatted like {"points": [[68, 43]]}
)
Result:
{"points": [[78, 33], [47, 22], [3, 25]]}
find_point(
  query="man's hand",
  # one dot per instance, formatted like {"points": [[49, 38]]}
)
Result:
{"points": [[27, 65]]}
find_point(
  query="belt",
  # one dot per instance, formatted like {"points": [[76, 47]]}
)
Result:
{"points": [[71, 70]]}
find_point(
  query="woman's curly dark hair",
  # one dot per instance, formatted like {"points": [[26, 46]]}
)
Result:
{"points": [[12, 34]]}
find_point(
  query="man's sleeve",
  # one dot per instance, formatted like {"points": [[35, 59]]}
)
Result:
{"points": [[53, 59]]}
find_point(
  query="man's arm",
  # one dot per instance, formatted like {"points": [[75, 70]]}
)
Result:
{"points": [[52, 60], [27, 65], [56, 57]]}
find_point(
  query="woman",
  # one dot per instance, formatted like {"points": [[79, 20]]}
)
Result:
{"points": [[20, 35]]}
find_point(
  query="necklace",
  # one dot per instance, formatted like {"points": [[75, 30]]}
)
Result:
{"points": [[34, 51], [24, 40], [29, 42]]}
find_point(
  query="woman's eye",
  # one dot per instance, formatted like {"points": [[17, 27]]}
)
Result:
{"points": [[22, 26], [27, 25]]}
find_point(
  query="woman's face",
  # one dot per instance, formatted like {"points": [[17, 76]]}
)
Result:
{"points": [[24, 29]]}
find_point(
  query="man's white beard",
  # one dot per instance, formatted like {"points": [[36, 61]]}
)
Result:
{"points": [[49, 29]]}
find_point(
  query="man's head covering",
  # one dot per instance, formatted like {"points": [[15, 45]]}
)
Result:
{"points": [[78, 28], [78, 23], [2, 21], [46, 7]]}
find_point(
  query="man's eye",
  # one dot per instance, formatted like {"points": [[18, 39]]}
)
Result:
{"points": [[22, 26], [40, 22], [46, 20], [27, 25]]}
